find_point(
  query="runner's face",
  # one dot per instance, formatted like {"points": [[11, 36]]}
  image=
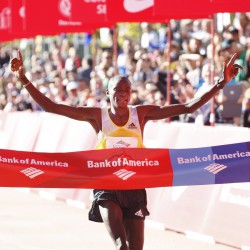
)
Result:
{"points": [[120, 93]]}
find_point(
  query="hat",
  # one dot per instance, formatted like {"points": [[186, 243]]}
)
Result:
{"points": [[226, 44], [14, 93], [232, 29], [72, 85]]}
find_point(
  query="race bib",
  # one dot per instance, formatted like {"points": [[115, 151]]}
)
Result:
{"points": [[121, 142]]}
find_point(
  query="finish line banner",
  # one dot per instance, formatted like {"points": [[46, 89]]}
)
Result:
{"points": [[126, 168]]}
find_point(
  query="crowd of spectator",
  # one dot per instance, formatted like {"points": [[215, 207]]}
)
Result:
{"points": [[187, 60]]}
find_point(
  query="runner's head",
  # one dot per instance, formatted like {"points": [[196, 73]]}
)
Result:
{"points": [[119, 91]]}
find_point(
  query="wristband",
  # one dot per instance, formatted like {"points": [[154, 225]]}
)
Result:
{"points": [[219, 85], [27, 84]]}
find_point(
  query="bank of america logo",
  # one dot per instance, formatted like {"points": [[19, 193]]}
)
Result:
{"points": [[121, 144], [124, 174], [215, 168], [132, 126], [32, 172]]}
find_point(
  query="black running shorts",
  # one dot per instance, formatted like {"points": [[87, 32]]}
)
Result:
{"points": [[132, 202]]}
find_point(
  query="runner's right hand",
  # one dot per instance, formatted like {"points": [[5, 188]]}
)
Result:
{"points": [[16, 66]]}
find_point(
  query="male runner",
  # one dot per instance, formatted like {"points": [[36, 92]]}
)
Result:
{"points": [[122, 211]]}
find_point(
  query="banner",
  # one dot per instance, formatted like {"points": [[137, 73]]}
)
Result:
{"points": [[51, 17], [126, 168], [195, 9]]}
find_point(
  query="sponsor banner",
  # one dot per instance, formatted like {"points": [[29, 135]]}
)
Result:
{"points": [[52, 17], [188, 166], [120, 168], [126, 168], [211, 165]]}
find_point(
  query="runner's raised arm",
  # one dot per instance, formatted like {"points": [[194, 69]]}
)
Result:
{"points": [[89, 114]]}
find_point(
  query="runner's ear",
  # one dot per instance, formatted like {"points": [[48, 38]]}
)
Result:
{"points": [[107, 92]]}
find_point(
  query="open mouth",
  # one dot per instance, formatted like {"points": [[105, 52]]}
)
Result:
{"points": [[122, 101]]}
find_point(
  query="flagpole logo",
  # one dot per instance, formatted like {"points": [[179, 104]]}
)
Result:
{"points": [[215, 168], [124, 174], [32, 172]]}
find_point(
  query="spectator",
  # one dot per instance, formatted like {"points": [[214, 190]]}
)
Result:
{"points": [[247, 61], [143, 70], [17, 102], [202, 115], [125, 57], [4, 56], [72, 62], [105, 68], [246, 115], [246, 108], [72, 91], [149, 37], [84, 71]]}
